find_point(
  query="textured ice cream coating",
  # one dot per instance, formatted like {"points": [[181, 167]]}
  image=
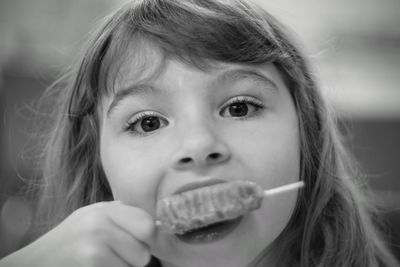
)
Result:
{"points": [[203, 206]]}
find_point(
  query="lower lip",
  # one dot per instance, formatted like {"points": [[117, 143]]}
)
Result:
{"points": [[211, 233]]}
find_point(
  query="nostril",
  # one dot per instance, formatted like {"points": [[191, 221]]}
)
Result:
{"points": [[185, 160], [214, 156]]}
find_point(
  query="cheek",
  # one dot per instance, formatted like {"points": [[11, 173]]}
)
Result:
{"points": [[271, 154], [133, 176], [282, 161]]}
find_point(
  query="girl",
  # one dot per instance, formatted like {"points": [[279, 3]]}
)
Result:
{"points": [[172, 95]]}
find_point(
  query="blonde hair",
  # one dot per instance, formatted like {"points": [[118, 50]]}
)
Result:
{"points": [[331, 225]]}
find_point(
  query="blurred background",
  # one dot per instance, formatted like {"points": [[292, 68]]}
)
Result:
{"points": [[355, 50]]}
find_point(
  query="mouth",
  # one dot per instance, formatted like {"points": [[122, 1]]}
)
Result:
{"points": [[198, 184], [210, 233]]}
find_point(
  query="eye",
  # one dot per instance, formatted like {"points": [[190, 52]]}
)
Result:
{"points": [[145, 123], [241, 107]]}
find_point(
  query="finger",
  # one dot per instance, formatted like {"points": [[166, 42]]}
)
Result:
{"points": [[92, 255], [137, 222], [131, 250]]}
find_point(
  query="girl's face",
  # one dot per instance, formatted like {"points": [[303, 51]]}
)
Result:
{"points": [[183, 127]]}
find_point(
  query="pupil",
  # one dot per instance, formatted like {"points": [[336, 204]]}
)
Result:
{"points": [[150, 124], [238, 110]]}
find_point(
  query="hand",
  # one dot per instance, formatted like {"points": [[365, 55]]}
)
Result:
{"points": [[102, 234]]}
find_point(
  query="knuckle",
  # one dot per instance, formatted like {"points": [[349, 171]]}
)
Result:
{"points": [[95, 214], [93, 210], [90, 254], [93, 223]]}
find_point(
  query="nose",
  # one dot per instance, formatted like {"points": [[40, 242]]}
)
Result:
{"points": [[200, 147]]}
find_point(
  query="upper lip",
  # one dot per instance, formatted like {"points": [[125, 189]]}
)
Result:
{"points": [[198, 184]]}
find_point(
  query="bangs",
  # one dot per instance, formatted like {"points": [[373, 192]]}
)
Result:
{"points": [[144, 59], [198, 33], [194, 30]]}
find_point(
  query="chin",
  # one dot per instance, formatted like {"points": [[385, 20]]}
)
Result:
{"points": [[234, 243]]}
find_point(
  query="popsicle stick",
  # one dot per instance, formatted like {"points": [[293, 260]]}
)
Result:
{"points": [[284, 188]]}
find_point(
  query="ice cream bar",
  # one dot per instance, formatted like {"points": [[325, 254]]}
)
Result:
{"points": [[180, 213]]}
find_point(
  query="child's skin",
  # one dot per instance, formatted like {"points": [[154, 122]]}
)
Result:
{"points": [[193, 137], [198, 137]]}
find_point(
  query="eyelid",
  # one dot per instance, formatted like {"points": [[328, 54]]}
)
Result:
{"points": [[142, 114], [245, 99], [139, 116], [257, 104]]}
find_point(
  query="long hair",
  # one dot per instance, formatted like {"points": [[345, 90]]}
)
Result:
{"points": [[332, 224]]}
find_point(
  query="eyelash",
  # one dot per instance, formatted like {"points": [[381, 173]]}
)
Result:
{"points": [[137, 118], [257, 105]]}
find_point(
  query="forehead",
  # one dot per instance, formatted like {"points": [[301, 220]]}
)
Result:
{"points": [[148, 72], [146, 64], [144, 60]]}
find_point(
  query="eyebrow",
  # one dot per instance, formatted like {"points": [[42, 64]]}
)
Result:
{"points": [[136, 89], [247, 73], [224, 77]]}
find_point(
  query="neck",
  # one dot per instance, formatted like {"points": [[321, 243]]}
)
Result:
{"points": [[262, 260]]}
